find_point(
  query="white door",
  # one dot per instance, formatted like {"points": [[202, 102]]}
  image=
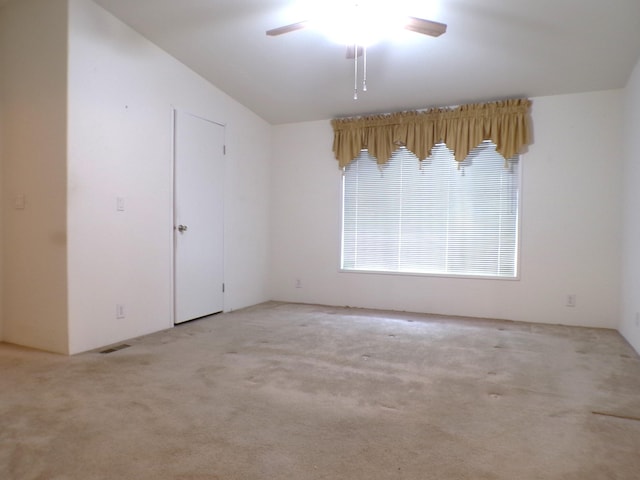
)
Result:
{"points": [[198, 217]]}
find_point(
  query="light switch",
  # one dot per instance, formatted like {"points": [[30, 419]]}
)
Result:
{"points": [[120, 204]]}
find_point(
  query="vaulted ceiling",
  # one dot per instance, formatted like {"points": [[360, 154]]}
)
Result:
{"points": [[493, 49]]}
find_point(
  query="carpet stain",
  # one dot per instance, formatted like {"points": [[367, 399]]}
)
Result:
{"points": [[613, 415]]}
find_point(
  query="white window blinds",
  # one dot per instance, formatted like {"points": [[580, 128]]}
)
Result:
{"points": [[442, 217]]}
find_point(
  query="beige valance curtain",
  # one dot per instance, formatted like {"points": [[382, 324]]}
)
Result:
{"points": [[505, 123]]}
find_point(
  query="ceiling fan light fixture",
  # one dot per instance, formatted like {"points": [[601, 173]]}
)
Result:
{"points": [[360, 24], [357, 23]]}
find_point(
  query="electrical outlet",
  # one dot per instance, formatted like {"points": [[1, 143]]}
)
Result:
{"points": [[571, 300], [119, 311], [298, 283]]}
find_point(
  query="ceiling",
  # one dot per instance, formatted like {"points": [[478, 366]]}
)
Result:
{"points": [[493, 49]]}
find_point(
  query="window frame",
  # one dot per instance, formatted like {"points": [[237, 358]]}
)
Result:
{"points": [[518, 245]]}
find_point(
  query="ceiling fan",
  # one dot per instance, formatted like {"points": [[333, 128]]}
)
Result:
{"points": [[357, 48], [414, 24]]}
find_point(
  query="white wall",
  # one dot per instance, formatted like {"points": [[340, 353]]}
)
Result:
{"points": [[2, 126], [570, 225], [121, 92], [122, 89], [33, 38], [630, 300]]}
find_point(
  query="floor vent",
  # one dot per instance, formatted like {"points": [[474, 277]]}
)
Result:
{"points": [[116, 348]]}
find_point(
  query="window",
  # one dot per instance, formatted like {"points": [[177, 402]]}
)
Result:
{"points": [[436, 217]]}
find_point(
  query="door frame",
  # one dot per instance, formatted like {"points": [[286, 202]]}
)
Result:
{"points": [[172, 220]]}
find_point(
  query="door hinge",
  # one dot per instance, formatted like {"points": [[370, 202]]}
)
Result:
{"points": [[224, 149], [223, 288]]}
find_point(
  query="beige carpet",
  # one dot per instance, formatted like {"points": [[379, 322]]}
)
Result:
{"points": [[301, 392]]}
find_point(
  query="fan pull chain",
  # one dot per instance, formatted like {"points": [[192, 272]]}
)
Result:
{"points": [[364, 69], [355, 71]]}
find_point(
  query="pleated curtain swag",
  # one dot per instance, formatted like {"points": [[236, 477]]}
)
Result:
{"points": [[505, 123]]}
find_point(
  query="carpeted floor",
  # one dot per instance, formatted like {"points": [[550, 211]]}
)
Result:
{"points": [[302, 392]]}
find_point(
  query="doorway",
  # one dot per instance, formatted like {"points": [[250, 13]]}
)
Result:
{"points": [[198, 217]]}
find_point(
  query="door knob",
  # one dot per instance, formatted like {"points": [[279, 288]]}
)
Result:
{"points": [[182, 228]]}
